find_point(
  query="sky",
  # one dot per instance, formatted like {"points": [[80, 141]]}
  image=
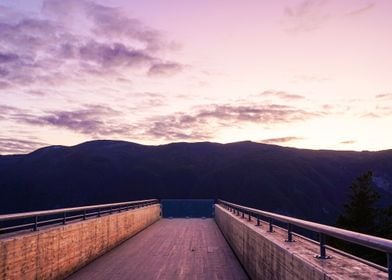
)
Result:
{"points": [[313, 74]]}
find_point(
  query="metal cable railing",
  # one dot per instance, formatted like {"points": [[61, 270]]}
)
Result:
{"points": [[369, 241], [33, 220]]}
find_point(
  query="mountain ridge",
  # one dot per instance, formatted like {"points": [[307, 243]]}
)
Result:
{"points": [[311, 184]]}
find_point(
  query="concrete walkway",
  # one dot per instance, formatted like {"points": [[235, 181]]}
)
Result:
{"points": [[169, 249]]}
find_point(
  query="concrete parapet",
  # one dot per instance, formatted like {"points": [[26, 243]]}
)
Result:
{"points": [[58, 251], [266, 255]]}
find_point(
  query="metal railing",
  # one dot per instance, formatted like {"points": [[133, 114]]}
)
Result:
{"points": [[33, 220], [369, 241]]}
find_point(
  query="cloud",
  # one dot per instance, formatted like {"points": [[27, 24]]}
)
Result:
{"points": [[282, 95], [305, 16], [346, 142], [358, 11], [384, 96], [199, 123], [4, 85], [93, 120], [370, 115], [164, 69], [18, 146], [8, 57], [309, 15], [178, 127], [379, 111], [203, 122], [36, 92], [5, 110], [75, 40], [152, 100], [271, 113], [114, 55], [281, 140], [107, 22]]}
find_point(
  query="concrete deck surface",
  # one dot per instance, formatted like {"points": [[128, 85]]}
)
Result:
{"points": [[169, 249]]}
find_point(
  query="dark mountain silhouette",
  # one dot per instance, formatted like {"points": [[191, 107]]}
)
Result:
{"points": [[303, 183]]}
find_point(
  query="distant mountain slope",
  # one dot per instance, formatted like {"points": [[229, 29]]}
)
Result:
{"points": [[303, 183]]}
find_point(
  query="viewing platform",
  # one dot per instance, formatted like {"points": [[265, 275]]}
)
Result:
{"points": [[176, 239], [169, 249]]}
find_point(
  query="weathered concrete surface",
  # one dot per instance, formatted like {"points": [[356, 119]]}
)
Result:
{"points": [[266, 255], [169, 249], [55, 252]]}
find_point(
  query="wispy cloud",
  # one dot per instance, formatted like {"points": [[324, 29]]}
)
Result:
{"points": [[282, 95], [347, 142], [202, 123], [384, 96], [4, 85], [107, 55], [92, 120], [305, 16], [18, 146], [310, 15], [106, 22], [74, 39], [370, 115], [164, 69], [281, 140], [180, 126], [361, 10], [271, 113]]}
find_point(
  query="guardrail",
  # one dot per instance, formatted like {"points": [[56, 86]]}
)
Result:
{"points": [[377, 243], [32, 220]]}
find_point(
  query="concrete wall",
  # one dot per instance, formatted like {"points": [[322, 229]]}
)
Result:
{"points": [[56, 252], [266, 255]]}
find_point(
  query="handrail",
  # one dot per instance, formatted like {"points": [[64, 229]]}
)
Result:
{"points": [[102, 208], [377, 243]]}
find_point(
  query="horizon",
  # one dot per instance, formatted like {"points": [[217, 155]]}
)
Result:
{"points": [[184, 142], [311, 74]]}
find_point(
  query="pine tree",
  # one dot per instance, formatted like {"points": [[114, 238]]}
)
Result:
{"points": [[360, 213]]}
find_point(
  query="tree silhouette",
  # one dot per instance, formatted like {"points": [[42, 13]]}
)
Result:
{"points": [[360, 213]]}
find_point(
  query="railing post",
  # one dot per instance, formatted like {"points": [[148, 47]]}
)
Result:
{"points": [[99, 212], [84, 214], [243, 215], [322, 254], [270, 225], [289, 233], [249, 217], [258, 221], [35, 223], [389, 261], [65, 218]]}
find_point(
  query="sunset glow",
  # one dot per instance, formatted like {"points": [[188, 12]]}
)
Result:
{"points": [[310, 74]]}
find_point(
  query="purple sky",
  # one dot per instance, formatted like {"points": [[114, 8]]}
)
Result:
{"points": [[310, 74]]}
